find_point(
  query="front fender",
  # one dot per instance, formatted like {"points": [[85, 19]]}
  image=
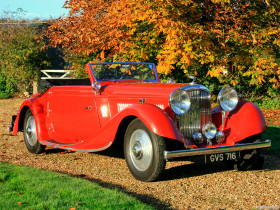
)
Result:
{"points": [[38, 113], [244, 121], [155, 119], [152, 116]]}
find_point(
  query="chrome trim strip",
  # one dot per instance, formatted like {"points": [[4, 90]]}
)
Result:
{"points": [[214, 150], [58, 143], [78, 150], [195, 87]]}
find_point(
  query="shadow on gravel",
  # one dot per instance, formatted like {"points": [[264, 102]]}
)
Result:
{"points": [[147, 199], [113, 151], [197, 168], [56, 151], [272, 162], [195, 165]]}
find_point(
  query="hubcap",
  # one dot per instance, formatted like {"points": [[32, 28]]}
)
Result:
{"points": [[29, 131], [141, 149], [137, 151], [31, 134]]}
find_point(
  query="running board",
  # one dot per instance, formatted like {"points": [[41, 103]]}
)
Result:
{"points": [[69, 146], [53, 142], [215, 150]]}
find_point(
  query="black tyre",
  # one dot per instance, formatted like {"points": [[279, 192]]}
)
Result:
{"points": [[250, 159], [144, 152], [30, 134]]}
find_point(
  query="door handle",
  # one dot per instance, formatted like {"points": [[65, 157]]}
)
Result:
{"points": [[88, 107]]}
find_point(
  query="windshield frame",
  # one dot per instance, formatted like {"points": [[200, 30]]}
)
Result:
{"points": [[124, 63]]}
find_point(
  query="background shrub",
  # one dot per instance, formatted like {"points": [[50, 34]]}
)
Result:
{"points": [[22, 53]]}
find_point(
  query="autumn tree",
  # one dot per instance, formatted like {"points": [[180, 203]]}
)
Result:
{"points": [[203, 38]]}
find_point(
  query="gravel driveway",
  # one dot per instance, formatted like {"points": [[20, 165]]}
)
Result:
{"points": [[184, 185]]}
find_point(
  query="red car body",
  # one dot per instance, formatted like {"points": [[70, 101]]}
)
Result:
{"points": [[81, 118]]}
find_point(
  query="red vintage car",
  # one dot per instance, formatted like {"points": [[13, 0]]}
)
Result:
{"points": [[127, 103]]}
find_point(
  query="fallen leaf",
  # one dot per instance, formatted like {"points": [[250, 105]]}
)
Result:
{"points": [[19, 203], [77, 204], [72, 209]]}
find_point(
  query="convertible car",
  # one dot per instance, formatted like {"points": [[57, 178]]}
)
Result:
{"points": [[126, 103]]}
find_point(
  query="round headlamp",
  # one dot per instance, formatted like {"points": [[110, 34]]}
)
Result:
{"points": [[228, 98], [209, 130], [180, 101]]}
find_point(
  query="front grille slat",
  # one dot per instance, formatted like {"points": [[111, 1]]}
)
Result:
{"points": [[198, 115]]}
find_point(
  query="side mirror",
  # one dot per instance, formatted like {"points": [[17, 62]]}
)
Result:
{"points": [[96, 86]]}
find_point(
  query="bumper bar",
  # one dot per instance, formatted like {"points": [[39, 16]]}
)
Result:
{"points": [[11, 124], [214, 150]]}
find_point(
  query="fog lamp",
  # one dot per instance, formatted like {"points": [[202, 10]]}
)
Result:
{"points": [[197, 138], [220, 137], [209, 130]]}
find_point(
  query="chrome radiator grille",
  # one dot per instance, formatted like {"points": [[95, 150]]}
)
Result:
{"points": [[198, 115]]}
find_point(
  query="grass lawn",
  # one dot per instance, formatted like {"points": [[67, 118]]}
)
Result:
{"points": [[273, 133], [31, 188]]}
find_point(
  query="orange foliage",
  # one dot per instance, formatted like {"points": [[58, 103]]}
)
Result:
{"points": [[178, 34]]}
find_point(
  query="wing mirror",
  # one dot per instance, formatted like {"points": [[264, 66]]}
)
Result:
{"points": [[96, 86]]}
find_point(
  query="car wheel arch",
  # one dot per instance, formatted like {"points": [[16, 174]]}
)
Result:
{"points": [[123, 125], [154, 118], [122, 129], [38, 113], [22, 116]]}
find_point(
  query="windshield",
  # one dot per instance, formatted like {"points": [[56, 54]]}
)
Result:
{"points": [[124, 71]]}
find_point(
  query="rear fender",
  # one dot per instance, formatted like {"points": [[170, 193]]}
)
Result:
{"points": [[244, 121], [38, 113]]}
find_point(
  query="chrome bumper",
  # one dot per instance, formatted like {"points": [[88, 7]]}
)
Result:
{"points": [[214, 150], [11, 124]]}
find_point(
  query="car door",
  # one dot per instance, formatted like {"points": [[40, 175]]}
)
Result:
{"points": [[72, 116]]}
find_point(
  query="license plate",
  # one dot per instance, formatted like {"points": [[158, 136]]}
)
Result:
{"points": [[222, 157]]}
